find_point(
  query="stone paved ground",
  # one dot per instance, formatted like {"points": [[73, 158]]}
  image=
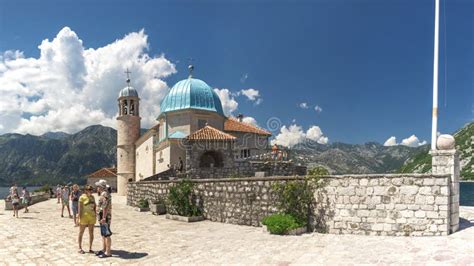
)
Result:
{"points": [[42, 237]]}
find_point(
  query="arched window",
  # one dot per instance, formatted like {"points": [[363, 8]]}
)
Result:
{"points": [[211, 159], [132, 107], [125, 107]]}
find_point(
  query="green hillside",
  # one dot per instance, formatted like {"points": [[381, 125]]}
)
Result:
{"points": [[421, 162]]}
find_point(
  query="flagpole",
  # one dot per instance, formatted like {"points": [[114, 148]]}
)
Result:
{"points": [[434, 125]]}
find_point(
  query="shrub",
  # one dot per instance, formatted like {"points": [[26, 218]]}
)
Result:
{"points": [[181, 199], [317, 171], [143, 204], [296, 197], [281, 223]]}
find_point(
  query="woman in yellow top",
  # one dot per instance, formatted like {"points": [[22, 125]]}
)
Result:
{"points": [[87, 218]]}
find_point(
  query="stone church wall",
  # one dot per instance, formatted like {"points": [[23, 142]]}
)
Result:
{"points": [[398, 205]]}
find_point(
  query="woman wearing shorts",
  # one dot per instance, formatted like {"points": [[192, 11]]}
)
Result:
{"points": [[75, 194], [87, 217], [15, 200]]}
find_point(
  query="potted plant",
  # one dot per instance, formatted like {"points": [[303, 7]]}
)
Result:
{"points": [[142, 206], [158, 207], [183, 205]]}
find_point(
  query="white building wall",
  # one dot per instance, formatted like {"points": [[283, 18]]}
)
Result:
{"points": [[162, 158], [144, 159]]}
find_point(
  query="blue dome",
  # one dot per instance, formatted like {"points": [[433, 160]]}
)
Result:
{"points": [[191, 94], [128, 92]]}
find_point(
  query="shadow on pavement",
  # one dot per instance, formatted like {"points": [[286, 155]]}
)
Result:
{"points": [[128, 255], [464, 223], [30, 218]]}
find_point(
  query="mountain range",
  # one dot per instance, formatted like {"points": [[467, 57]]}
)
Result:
{"points": [[58, 157]]}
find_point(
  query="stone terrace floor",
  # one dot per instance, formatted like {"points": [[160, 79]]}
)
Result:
{"points": [[42, 237]]}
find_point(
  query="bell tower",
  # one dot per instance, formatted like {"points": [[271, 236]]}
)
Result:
{"points": [[128, 131]]}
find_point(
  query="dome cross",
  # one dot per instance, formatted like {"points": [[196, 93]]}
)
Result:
{"points": [[128, 76]]}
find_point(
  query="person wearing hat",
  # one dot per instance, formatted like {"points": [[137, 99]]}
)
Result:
{"points": [[87, 216], [104, 216]]}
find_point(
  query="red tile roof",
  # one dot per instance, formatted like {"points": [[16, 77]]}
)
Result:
{"points": [[210, 133], [104, 172], [232, 124]]}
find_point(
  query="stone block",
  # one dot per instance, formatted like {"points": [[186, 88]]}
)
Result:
{"points": [[425, 191], [397, 181], [420, 200], [377, 227], [420, 214], [364, 182], [400, 206], [363, 213], [444, 191], [407, 213], [432, 214], [408, 190], [373, 182], [441, 200], [427, 207], [379, 190]]}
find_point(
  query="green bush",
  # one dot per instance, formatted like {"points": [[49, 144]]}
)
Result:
{"points": [[295, 198], [318, 171], [181, 199], [279, 224], [143, 204]]}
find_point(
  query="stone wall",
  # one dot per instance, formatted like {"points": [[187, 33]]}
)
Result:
{"points": [[447, 161], [408, 204]]}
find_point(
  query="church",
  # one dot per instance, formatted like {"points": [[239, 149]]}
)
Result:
{"points": [[193, 137]]}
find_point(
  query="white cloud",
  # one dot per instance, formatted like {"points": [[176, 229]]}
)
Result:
{"points": [[314, 133], [411, 141], [303, 105], [253, 95], [289, 137], [318, 109], [229, 104], [294, 134], [392, 141], [70, 87], [250, 120]]}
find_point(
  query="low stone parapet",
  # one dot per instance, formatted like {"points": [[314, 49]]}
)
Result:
{"points": [[35, 198], [389, 204]]}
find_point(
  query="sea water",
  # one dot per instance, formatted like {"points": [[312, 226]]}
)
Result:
{"points": [[4, 191]]}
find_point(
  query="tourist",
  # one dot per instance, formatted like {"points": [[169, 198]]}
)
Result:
{"points": [[87, 216], [274, 151], [58, 192], [26, 198], [104, 217], [65, 201], [13, 189], [75, 194], [181, 165], [15, 198]]}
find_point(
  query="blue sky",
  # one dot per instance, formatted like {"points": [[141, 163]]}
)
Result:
{"points": [[366, 63]]}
